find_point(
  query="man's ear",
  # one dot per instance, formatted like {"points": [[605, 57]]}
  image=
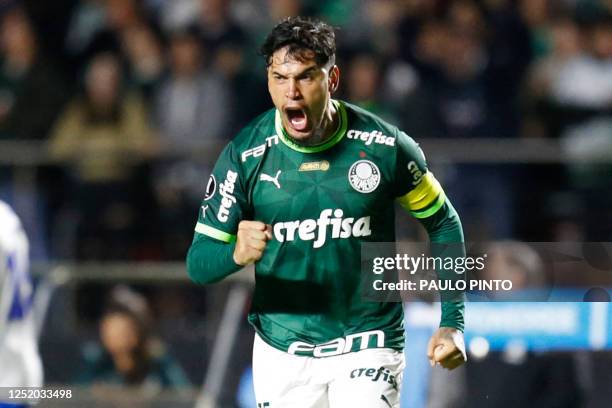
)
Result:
{"points": [[334, 79]]}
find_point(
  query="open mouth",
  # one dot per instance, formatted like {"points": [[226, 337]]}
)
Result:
{"points": [[298, 120]]}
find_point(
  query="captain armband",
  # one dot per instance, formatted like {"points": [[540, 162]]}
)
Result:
{"points": [[425, 199]]}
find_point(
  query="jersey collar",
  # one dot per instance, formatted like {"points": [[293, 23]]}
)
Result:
{"points": [[333, 140]]}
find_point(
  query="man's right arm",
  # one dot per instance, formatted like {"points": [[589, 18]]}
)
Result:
{"points": [[223, 241], [210, 257], [209, 261]]}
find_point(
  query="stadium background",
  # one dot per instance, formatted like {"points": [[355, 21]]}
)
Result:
{"points": [[112, 113]]}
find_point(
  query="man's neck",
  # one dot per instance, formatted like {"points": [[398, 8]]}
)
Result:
{"points": [[329, 125]]}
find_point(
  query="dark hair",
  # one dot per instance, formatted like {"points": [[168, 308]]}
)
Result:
{"points": [[302, 35], [125, 302]]}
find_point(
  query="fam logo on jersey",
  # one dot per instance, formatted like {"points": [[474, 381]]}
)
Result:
{"points": [[316, 230], [211, 188], [226, 189], [375, 136], [364, 176], [259, 150], [340, 345]]}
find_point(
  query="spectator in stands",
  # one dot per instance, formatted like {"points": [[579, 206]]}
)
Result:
{"points": [[88, 19], [102, 138], [586, 81], [518, 263], [174, 14], [458, 104], [192, 111], [573, 83], [31, 97], [564, 46], [193, 103], [225, 41], [144, 57], [420, 33], [31, 91], [217, 27], [510, 52], [536, 14], [126, 30], [582, 94], [364, 83], [121, 16], [129, 353], [257, 16]]}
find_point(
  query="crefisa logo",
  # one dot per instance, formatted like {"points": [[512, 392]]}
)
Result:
{"points": [[211, 187], [364, 176]]}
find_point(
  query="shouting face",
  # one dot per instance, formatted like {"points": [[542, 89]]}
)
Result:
{"points": [[301, 91]]}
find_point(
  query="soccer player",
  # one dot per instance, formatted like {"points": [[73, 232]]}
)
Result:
{"points": [[296, 193], [20, 364]]}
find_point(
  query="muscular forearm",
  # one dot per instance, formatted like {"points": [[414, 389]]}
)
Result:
{"points": [[209, 261], [446, 235]]}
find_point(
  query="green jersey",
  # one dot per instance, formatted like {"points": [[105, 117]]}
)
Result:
{"points": [[322, 202]]}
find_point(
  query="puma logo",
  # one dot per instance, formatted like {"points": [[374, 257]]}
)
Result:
{"points": [[274, 180]]}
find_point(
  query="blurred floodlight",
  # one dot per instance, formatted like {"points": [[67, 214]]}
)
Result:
{"points": [[479, 347]]}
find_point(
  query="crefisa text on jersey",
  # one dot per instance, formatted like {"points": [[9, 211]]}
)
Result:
{"points": [[316, 230], [375, 136], [226, 189]]}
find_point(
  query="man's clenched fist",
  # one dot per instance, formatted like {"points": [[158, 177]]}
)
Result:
{"points": [[251, 241], [446, 347]]}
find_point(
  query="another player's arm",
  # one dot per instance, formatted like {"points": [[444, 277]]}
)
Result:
{"points": [[427, 202], [4, 292], [6, 277]]}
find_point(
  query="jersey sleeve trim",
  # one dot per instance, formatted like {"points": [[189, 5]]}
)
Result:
{"points": [[333, 140], [432, 209], [214, 233]]}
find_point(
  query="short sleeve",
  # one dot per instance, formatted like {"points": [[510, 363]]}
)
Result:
{"points": [[224, 200], [417, 190]]}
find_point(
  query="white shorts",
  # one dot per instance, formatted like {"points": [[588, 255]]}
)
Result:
{"points": [[368, 378]]}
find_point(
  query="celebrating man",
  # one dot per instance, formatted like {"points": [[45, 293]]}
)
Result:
{"points": [[296, 193]]}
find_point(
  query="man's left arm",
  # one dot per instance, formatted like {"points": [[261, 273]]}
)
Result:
{"points": [[423, 196], [446, 346]]}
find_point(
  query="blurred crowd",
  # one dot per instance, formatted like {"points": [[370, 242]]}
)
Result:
{"points": [[134, 98]]}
